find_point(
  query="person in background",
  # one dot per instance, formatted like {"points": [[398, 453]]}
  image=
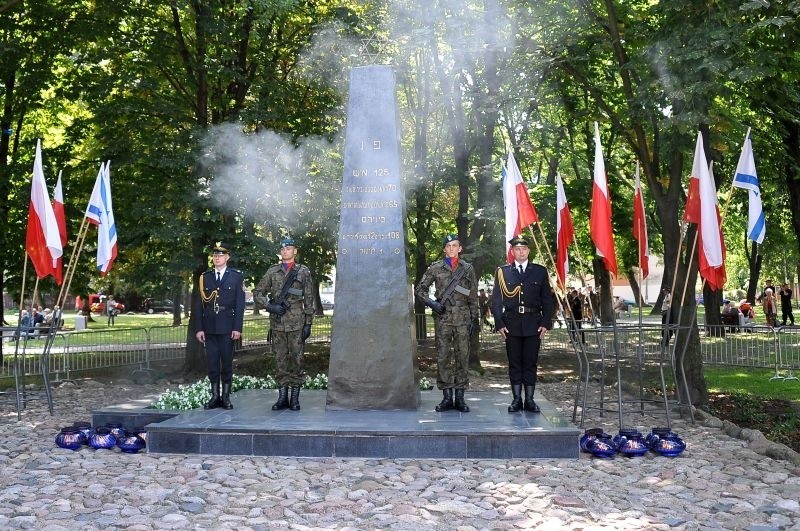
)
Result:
{"points": [[111, 310], [666, 306], [786, 304], [731, 315], [37, 320], [575, 305], [770, 306], [769, 285], [619, 306], [746, 309], [219, 318], [483, 306], [25, 323]]}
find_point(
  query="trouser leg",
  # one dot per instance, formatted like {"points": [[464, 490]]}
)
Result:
{"points": [[444, 360], [288, 358], [461, 345]]}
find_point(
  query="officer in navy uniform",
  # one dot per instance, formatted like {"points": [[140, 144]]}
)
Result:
{"points": [[219, 316], [522, 306]]}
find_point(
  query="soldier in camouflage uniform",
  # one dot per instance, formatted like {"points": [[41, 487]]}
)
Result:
{"points": [[290, 321], [454, 321]]}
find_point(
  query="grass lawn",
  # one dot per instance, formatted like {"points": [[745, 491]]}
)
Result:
{"points": [[751, 381]]}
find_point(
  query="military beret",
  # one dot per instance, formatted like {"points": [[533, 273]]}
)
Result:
{"points": [[450, 238], [221, 248], [518, 241], [287, 242]]}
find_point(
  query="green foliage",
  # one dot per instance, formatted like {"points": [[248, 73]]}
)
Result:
{"points": [[225, 120]]}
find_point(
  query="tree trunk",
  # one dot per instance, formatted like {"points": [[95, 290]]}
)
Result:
{"points": [[603, 287], [9, 80], [791, 145]]}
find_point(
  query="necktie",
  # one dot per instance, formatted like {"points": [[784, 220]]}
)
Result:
{"points": [[218, 277], [521, 271]]}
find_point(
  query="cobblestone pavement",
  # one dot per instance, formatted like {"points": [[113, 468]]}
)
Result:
{"points": [[720, 482]]}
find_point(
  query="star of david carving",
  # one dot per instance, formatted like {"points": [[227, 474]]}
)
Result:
{"points": [[373, 47]]}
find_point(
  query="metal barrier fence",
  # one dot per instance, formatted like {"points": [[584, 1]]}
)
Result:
{"points": [[753, 346], [756, 346], [74, 351], [722, 345]]}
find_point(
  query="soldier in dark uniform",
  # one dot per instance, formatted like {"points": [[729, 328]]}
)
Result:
{"points": [[455, 316], [287, 292], [219, 315], [522, 305]]}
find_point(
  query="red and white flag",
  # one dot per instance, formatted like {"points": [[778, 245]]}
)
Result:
{"points": [[61, 221], [711, 246], [101, 213], [565, 233], [42, 241], [692, 212], [519, 209], [600, 220], [640, 226]]}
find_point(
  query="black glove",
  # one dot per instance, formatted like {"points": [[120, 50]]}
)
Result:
{"points": [[277, 309], [436, 306], [306, 333]]}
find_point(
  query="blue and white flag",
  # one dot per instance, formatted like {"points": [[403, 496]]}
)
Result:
{"points": [[100, 212], [746, 178]]}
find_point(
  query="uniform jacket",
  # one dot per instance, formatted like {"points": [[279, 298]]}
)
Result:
{"points": [[223, 312], [534, 297], [300, 297], [462, 307]]}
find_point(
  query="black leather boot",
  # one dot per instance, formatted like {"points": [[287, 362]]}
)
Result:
{"points": [[283, 398], [215, 402], [459, 401], [530, 405], [226, 396], [294, 401], [447, 400], [516, 403]]}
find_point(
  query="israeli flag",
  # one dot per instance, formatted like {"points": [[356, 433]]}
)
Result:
{"points": [[746, 178]]}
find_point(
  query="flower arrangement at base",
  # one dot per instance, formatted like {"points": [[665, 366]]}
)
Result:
{"points": [[320, 381], [195, 395], [425, 384]]}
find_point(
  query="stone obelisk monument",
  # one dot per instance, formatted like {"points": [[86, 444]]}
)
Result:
{"points": [[373, 350]]}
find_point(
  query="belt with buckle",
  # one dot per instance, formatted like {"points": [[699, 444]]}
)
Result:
{"points": [[526, 309]]}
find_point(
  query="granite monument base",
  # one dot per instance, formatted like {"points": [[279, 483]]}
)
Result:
{"points": [[488, 431]]}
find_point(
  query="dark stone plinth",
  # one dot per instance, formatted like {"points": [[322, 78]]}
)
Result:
{"points": [[252, 428], [373, 350], [133, 414]]}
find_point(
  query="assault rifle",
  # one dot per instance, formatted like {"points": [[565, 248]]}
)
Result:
{"points": [[279, 306]]}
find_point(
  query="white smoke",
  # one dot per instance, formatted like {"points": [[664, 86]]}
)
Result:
{"points": [[269, 178]]}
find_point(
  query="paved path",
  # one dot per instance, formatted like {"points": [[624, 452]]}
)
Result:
{"points": [[718, 483]]}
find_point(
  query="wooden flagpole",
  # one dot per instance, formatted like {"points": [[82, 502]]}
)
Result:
{"points": [[79, 241], [24, 277], [72, 264]]}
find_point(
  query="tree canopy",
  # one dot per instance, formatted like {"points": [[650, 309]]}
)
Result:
{"points": [[224, 120]]}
